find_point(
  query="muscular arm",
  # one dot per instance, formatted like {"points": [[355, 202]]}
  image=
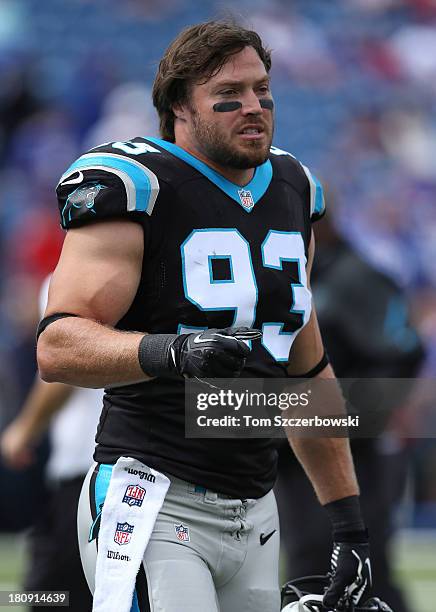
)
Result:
{"points": [[326, 461], [96, 278]]}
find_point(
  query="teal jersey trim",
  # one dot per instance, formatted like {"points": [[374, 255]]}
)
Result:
{"points": [[102, 484], [100, 490], [135, 603], [141, 184], [317, 202], [319, 197], [256, 187]]}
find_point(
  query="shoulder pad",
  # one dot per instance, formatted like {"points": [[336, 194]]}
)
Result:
{"points": [[105, 183], [317, 201]]}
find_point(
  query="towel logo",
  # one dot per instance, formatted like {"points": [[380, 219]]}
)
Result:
{"points": [[246, 198], [182, 532], [114, 554], [123, 533], [134, 495], [142, 475]]}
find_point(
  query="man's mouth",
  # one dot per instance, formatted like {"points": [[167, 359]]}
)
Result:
{"points": [[252, 129], [252, 132]]}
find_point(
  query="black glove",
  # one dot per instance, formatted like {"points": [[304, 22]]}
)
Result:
{"points": [[213, 353], [350, 571]]}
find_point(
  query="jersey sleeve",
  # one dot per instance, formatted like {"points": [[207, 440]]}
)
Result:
{"points": [[299, 170], [317, 201], [101, 185]]}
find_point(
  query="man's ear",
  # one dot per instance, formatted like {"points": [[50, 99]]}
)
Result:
{"points": [[180, 111]]}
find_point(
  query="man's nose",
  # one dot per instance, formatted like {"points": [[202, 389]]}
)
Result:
{"points": [[251, 105]]}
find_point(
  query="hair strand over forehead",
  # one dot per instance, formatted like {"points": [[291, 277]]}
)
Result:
{"points": [[198, 53]]}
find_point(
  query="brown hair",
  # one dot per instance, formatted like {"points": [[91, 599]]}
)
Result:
{"points": [[198, 52]]}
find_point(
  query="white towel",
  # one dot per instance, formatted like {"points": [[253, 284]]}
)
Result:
{"points": [[134, 498]]}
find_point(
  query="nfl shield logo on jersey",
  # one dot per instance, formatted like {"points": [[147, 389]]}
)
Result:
{"points": [[182, 532], [246, 198], [134, 495], [123, 533]]}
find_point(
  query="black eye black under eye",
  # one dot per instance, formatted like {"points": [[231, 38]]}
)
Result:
{"points": [[226, 107], [266, 103]]}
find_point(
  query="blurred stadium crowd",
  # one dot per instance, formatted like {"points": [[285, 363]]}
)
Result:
{"points": [[355, 89]]}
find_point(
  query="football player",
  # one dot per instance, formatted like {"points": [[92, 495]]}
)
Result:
{"points": [[178, 250], [70, 417]]}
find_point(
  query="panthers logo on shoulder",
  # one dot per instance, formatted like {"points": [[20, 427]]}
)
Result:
{"points": [[80, 201]]}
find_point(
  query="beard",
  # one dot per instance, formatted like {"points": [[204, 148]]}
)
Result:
{"points": [[214, 142]]}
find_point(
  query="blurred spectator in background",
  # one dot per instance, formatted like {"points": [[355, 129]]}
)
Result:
{"points": [[366, 328], [126, 112], [17, 100], [71, 416]]}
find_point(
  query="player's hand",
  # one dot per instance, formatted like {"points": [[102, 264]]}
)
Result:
{"points": [[213, 353], [350, 574], [15, 446]]}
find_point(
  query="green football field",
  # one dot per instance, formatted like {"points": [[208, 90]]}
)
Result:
{"points": [[414, 553]]}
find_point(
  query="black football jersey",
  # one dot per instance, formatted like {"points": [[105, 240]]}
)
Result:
{"points": [[215, 255]]}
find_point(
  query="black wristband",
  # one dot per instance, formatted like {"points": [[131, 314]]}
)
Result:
{"points": [[153, 354], [351, 537], [346, 516]]}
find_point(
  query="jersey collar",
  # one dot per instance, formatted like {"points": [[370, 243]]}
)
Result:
{"points": [[246, 196]]}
